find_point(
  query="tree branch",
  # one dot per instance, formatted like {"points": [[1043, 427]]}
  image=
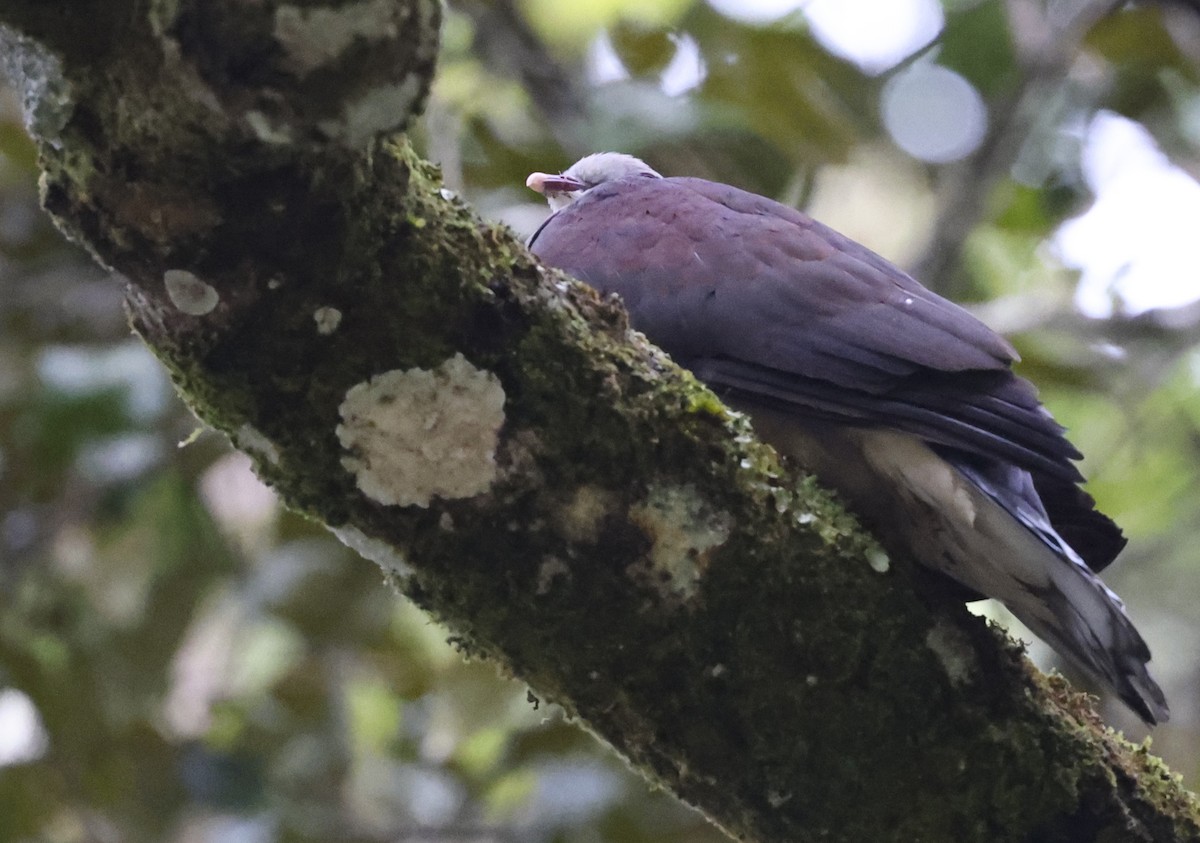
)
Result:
{"points": [[521, 464], [506, 43], [1046, 50]]}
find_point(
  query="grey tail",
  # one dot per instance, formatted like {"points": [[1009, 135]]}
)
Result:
{"points": [[1108, 648], [1067, 605]]}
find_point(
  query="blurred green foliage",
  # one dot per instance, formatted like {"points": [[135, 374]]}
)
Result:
{"points": [[206, 667]]}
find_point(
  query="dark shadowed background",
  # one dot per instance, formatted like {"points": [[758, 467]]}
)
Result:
{"points": [[181, 660]]}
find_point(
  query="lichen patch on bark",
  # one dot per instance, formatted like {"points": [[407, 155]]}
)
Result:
{"points": [[375, 111], [316, 36], [254, 442], [581, 518], [552, 570], [683, 531], [189, 294], [953, 649], [415, 434], [376, 550], [327, 319], [879, 561]]}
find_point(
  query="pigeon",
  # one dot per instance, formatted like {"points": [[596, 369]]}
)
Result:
{"points": [[898, 399]]}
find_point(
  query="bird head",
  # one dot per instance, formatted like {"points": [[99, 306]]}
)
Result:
{"points": [[563, 189]]}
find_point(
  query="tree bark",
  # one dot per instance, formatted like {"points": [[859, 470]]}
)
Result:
{"points": [[521, 464]]}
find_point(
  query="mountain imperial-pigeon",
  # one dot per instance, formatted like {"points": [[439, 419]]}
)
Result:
{"points": [[897, 398]]}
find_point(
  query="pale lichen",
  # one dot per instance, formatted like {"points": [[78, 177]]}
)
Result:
{"points": [[253, 442], [416, 434], [683, 531], [879, 561], [953, 650], [189, 294], [268, 130], [327, 319], [313, 37], [36, 73], [378, 551], [551, 569], [379, 109], [583, 515]]}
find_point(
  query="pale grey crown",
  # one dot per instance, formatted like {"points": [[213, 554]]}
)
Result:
{"points": [[597, 168], [600, 167]]}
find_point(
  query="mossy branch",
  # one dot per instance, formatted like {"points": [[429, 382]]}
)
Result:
{"points": [[521, 464]]}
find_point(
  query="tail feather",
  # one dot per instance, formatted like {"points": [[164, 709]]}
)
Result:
{"points": [[1072, 511], [1062, 600], [984, 524], [1099, 639]]}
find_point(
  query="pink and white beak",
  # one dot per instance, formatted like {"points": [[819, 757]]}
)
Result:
{"points": [[546, 183]]}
